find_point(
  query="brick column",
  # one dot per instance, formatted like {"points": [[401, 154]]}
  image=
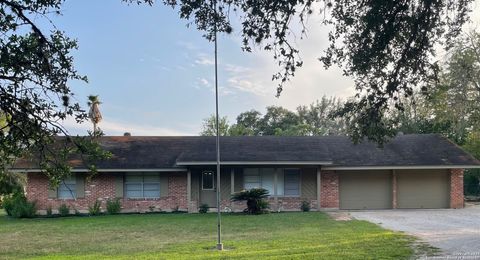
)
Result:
{"points": [[319, 188], [456, 188], [329, 190]]}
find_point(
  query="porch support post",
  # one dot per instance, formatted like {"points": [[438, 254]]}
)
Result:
{"points": [[275, 192], [232, 187], [319, 188], [189, 191], [394, 189]]}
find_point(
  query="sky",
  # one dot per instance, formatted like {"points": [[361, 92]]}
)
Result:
{"points": [[154, 74]]}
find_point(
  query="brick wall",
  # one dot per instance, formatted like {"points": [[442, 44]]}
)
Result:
{"points": [[456, 188], [279, 204], [329, 190], [102, 187]]}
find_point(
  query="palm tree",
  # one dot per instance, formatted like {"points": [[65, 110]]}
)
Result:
{"points": [[94, 113]]}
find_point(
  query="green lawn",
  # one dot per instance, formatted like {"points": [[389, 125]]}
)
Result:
{"points": [[192, 236]]}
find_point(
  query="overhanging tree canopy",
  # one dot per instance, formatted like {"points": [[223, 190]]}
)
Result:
{"points": [[36, 68], [387, 47]]}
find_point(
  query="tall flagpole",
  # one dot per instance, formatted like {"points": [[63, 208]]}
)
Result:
{"points": [[219, 222]]}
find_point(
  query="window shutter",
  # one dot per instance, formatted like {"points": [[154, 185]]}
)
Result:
{"points": [[119, 186], [52, 192], [80, 186], [163, 185]]}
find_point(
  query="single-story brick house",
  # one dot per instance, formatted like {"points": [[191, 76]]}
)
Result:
{"points": [[330, 172]]}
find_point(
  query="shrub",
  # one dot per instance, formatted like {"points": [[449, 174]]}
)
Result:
{"points": [[471, 182], [49, 212], [176, 209], [305, 206], [64, 210], [113, 206], [203, 208], [256, 203], [95, 208], [17, 206]]}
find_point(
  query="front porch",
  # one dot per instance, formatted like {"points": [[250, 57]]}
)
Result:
{"points": [[288, 186]]}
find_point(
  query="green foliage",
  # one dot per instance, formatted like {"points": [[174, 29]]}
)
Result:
{"points": [[471, 182], [17, 206], [472, 144], [64, 210], [315, 119], [203, 208], [11, 183], [36, 73], [49, 212], [209, 126], [114, 206], [255, 198], [451, 107], [95, 209], [305, 206]]}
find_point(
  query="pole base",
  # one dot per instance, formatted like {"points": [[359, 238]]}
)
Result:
{"points": [[220, 246]]}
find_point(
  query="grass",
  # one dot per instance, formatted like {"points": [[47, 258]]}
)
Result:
{"points": [[299, 235]]}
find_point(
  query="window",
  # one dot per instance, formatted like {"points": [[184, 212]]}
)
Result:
{"points": [[208, 180], [288, 181], [292, 182], [146, 185], [252, 178], [67, 188]]}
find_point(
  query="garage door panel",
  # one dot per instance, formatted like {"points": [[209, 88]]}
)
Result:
{"points": [[365, 189], [423, 189]]}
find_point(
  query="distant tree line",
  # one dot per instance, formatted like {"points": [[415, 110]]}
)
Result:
{"points": [[312, 120]]}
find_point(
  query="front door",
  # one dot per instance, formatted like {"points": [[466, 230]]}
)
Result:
{"points": [[207, 189]]}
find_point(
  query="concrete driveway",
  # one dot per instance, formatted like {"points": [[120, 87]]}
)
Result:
{"points": [[455, 231]]}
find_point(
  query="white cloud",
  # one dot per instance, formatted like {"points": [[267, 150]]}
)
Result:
{"points": [[246, 84], [203, 83], [204, 59], [310, 83], [187, 45], [232, 68]]}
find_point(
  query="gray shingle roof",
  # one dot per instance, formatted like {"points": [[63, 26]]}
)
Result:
{"points": [[150, 152]]}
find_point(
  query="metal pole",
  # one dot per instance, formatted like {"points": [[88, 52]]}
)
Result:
{"points": [[219, 222]]}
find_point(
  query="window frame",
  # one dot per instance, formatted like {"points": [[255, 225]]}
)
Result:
{"points": [[213, 180], [142, 185], [72, 180], [299, 174], [280, 171]]}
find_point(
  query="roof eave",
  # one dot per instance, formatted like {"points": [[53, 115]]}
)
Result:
{"points": [[200, 163], [401, 167], [176, 169]]}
